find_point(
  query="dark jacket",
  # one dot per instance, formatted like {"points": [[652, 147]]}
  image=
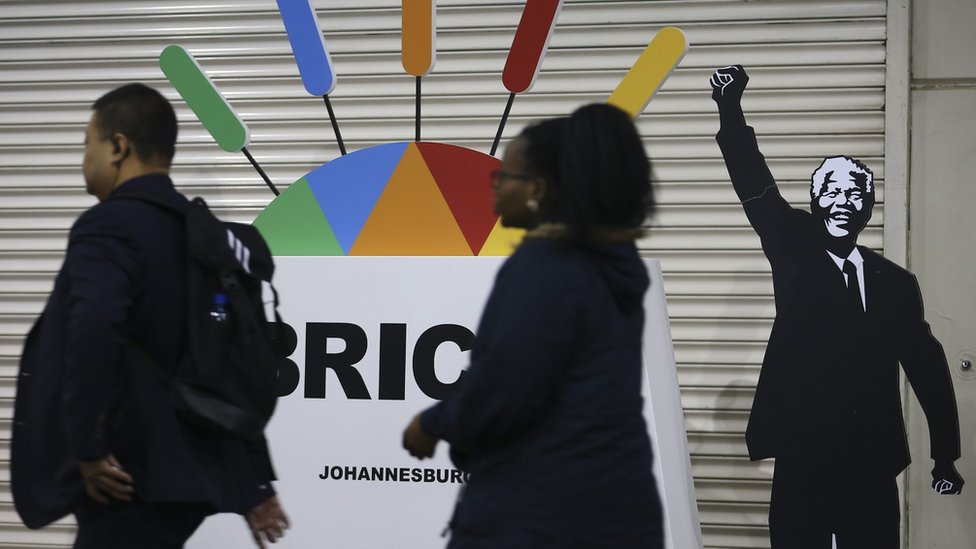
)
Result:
{"points": [[828, 389], [549, 419], [82, 393]]}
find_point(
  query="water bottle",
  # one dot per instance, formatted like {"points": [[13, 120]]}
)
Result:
{"points": [[219, 310]]}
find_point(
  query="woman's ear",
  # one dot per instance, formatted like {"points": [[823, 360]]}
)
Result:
{"points": [[537, 189]]}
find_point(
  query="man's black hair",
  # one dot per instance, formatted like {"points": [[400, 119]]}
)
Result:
{"points": [[144, 116], [596, 170]]}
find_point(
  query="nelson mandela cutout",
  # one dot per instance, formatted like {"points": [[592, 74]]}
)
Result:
{"points": [[827, 405]]}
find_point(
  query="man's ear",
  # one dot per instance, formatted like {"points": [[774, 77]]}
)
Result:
{"points": [[120, 147]]}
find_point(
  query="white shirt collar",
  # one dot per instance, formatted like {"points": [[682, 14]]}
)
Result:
{"points": [[854, 258]]}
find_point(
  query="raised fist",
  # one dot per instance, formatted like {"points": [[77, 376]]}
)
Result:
{"points": [[945, 479], [728, 84]]}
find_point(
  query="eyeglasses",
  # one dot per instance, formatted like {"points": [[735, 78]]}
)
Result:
{"points": [[498, 176]]}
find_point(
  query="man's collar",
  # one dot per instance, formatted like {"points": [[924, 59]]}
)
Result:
{"points": [[149, 179], [854, 257]]}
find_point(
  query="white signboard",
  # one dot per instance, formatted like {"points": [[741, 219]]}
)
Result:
{"points": [[377, 336]]}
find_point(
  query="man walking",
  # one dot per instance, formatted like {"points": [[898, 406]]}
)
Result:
{"points": [[94, 432]]}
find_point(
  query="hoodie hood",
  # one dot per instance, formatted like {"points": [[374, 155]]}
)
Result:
{"points": [[621, 267]]}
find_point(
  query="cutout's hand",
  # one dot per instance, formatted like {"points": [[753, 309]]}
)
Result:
{"points": [[267, 521], [416, 441], [105, 480], [945, 479], [728, 83]]}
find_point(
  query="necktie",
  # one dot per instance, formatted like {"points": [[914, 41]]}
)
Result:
{"points": [[853, 287]]}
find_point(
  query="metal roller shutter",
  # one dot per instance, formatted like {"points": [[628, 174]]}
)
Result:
{"points": [[818, 87]]}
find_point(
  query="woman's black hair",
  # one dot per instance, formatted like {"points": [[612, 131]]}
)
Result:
{"points": [[596, 170]]}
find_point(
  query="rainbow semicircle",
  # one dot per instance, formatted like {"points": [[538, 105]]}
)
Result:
{"points": [[396, 199], [348, 187], [294, 224], [502, 241], [464, 181]]}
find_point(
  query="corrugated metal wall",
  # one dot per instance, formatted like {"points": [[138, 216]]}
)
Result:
{"points": [[817, 89]]}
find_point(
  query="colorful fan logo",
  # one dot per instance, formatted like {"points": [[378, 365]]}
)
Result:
{"points": [[407, 198], [392, 199]]}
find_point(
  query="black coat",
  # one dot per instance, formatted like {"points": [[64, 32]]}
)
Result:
{"points": [[82, 394], [549, 419], [828, 389]]}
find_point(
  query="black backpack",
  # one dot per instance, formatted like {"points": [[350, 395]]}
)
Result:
{"points": [[227, 378]]}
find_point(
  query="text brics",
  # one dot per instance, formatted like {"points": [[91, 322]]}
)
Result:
{"points": [[391, 360]]}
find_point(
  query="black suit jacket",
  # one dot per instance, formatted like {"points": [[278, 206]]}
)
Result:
{"points": [[83, 393], [828, 389]]}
